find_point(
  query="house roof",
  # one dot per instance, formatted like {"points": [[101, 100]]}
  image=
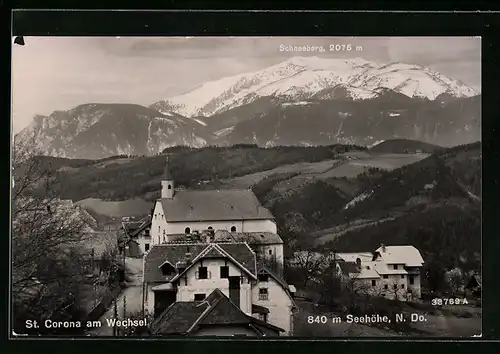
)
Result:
{"points": [[252, 238], [348, 267], [407, 255], [383, 268], [130, 226], [216, 309], [145, 223], [259, 309], [174, 253], [351, 257], [239, 253], [369, 270], [214, 205]]}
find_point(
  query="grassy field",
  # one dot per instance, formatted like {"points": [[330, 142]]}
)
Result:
{"points": [[348, 165], [131, 207]]}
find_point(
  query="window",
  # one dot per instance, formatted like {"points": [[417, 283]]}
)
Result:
{"points": [[270, 251], [233, 228], [386, 286], [169, 186], [368, 267], [374, 283], [402, 286], [412, 280], [146, 233], [395, 266], [156, 215], [263, 277], [263, 294], [146, 247], [402, 276], [187, 230], [395, 286], [385, 276], [409, 292], [224, 272], [199, 297], [202, 273], [263, 317]]}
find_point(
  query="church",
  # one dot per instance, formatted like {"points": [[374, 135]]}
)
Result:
{"points": [[230, 215]]}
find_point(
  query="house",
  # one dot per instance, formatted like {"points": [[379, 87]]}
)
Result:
{"points": [[216, 315], [138, 236], [186, 272], [187, 212], [390, 271]]}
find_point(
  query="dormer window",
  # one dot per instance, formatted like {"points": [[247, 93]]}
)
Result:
{"points": [[167, 269], [233, 228], [395, 266], [187, 230], [210, 228]]}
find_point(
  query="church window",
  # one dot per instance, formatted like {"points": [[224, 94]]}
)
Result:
{"points": [[233, 228], [169, 186], [187, 230]]}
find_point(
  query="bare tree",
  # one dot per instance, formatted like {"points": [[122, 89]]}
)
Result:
{"points": [[46, 237], [309, 264]]}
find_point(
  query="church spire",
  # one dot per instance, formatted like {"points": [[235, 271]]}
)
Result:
{"points": [[166, 173], [167, 183]]}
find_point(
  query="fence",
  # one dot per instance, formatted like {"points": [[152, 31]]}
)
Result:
{"points": [[104, 304]]}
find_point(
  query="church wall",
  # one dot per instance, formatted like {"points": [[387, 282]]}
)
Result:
{"points": [[158, 225]]}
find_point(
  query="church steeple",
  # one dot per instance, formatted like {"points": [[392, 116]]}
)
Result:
{"points": [[167, 183]]}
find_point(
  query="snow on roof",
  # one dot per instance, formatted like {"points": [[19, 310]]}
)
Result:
{"points": [[351, 257], [407, 255]]}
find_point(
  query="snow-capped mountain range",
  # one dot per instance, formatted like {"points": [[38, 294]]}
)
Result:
{"points": [[306, 77], [301, 101]]}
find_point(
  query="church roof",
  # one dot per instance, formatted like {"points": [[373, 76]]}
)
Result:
{"points": [[214, 205]]}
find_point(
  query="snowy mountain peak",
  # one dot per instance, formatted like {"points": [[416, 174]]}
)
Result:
{"points": [[305, 77]]}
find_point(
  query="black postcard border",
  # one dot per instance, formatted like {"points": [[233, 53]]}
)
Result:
{"points": [[251, 23]]}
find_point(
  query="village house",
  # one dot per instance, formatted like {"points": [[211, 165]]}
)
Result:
{"points": [[214, 316], [390, 271], [137, 237], [189, 272]]}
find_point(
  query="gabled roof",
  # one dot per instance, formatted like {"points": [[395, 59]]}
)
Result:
{"points": [[131, 226], [407, 255], [214, 205], [252, 238], [348, 267], [173, 253], [239, 253], [187, 317], [145, 224]]}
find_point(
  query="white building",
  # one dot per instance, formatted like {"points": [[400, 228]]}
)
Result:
{"points": [[238, 213], [391, 271], [190, 272]]}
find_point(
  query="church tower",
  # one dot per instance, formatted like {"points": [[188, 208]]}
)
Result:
{"points": [[167, 183]]}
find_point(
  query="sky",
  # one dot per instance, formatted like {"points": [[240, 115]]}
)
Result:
{"points": [[60, 73]]}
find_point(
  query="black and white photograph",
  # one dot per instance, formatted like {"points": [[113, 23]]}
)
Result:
{"points": [[308, 187]]}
